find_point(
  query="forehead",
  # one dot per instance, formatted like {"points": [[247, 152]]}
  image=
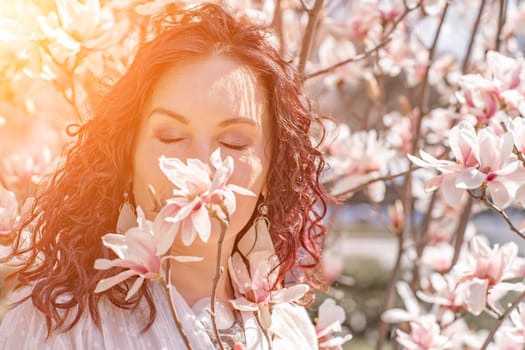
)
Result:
{"points": [[216, 85]]}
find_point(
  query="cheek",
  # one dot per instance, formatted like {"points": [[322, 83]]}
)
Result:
{"points": [[250, 172], [146, 172]]}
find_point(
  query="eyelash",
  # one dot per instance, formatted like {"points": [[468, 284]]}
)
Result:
{"points": [[234, 147]]}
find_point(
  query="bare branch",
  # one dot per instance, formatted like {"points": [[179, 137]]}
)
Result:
{"points": [[500, 212], [363, 185], [313, 15], [459, 233], [356, 58], [501, 21], [502, 318], [385, 40], [390, 294], [466, 59]]}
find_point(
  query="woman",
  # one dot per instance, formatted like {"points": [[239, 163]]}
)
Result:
{"points": [[206, 81]]}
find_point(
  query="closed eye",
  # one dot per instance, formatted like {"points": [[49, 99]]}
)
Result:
{"points": [[170, 140], [235, 147]]}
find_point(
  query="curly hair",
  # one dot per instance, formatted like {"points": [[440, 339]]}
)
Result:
{"points": [[81, 199]]}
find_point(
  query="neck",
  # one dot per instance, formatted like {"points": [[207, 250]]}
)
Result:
{"points": [[194, 280]]}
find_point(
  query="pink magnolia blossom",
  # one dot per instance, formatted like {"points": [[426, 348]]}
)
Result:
{"points": [[329, 320], [357, 158], [140, 252], [438, 257], [481, 159], [425, 334], [505, 70], [484, 273], [196, 195], [254, 271], [464, 148], [480, 95]]}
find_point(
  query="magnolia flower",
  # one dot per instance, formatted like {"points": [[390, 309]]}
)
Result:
{"points": [[254, 271], [140, 251], [8, 213], [482, 159], [480, 96], [197, 197], [485, 271], [463, 145], [438, 257], [356, 159], [329, 320], [505, 70], [425, 334]]}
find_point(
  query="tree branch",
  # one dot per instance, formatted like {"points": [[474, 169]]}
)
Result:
{"points": [[313, 15], [363, 185], [385, 40], [501, 21], [389, 299], [502, 318], [464, 66]]}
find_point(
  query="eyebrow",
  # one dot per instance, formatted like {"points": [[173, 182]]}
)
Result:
{"points": [[182, 119]]}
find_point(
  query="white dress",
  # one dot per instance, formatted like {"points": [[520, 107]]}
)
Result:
{"points": [[24, 328]]}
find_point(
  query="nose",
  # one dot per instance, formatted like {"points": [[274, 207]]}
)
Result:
{"points": [[202, 149]]}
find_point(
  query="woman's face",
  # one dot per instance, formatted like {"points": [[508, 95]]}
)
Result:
{"points": [[194, 109]]}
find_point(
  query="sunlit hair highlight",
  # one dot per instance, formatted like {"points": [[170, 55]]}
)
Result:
{"points": [[81, 200]]}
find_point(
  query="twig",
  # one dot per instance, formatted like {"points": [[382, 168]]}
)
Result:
{"points": [[304, 6], [169, 295], [502, 214], [218, 272], [425, 88], [507, 312], [313, 15], [356, 58], [385, 40], [420, 242], [460, 230], [464, 66], [501, 21], [361, 186], [389, 299]]}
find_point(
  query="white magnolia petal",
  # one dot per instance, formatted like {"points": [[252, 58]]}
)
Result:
{"points": [[185, 211], [164, 231], [240, 190], [290, 294], [185, 258], [215, 158], [265, 317], [134, 288], [188, 232], [470, 179], [104, 264], [115, 242], [434, 183], [499, 193], [201, 223], [330, 313], [477, 295], [451, 193], [396, 316], [107, 283], [242, 304]]}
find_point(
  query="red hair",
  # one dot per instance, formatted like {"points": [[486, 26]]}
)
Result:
{"points": [[81, 200]]}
